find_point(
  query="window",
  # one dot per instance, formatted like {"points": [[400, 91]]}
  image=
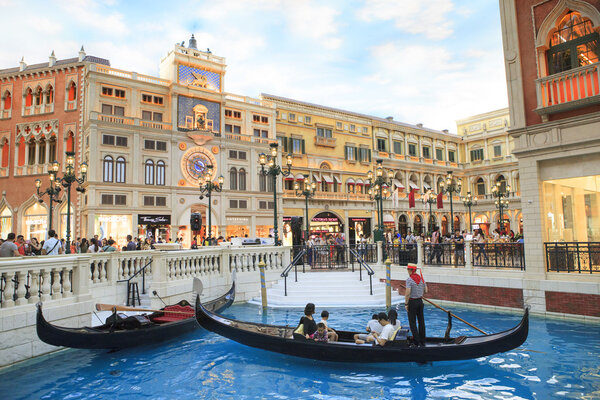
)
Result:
{"points": [[113, 92], [261, 133], [233, 128], [266, 205], [352, 128], [120, 93], [292, 117], [573, 44], [365, 129], [160, 173], [228, 113], [121, 141], [480, 186], [161, 146], [283, 115], [161, 201], [338, 125], [107, 168], [477, 155], [262, 183], [146, 98], [307, 120], [242, 179], [397, 147], [149, 172], [120, 170], [380, 144], [108, 140], [237, 154], [72, 92], [345, 127], [451, 156], [412, 149], [152, 116], [49, 95], [149, 145], [297, 146], [31, 147], [364, 155], [238, 203], [439, 154], [42, 151], [117, 199], [233, 114], [498, 150], [148, 200], [256, 118], [260, 118], [350, 153], [233, 178], [109, 109], [283, 143], [426, 152], [106, 91], [120, 200], [324, 132], [52, 148], [106, 199]]}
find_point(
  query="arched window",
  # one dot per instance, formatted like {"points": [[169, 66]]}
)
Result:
{"points": [[107, 169], [480, 187], [6, 101], [262, 182], [28, 98], [233, 179], [52, 148], [149, 172], [120, 170], [5, 150], [42, 151], [5, 222], [573, 44], [70, 141], [502, 180], [72, 92], [160, 172], [21, 151], [417, 225], [38, 96], [49, 94], [242, 179], [31, 150]]}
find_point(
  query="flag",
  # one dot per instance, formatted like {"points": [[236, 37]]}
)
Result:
{"points": [[440, 203], [411, 198]]}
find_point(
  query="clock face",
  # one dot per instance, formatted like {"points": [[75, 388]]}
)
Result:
{"points": [[195, 162]]}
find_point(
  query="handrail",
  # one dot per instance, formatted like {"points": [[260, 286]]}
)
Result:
{"points": [[143, 270], [364, 265], [287, 269]]}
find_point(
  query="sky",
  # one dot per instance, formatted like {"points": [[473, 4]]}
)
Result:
{"points": [[419, 61]]}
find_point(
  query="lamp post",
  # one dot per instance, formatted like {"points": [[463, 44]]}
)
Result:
{"points": [[470, 201], [308, 191], [378, 191], [430, 198], [501, 194], [67, 180], [207, 186], [450, 187], [272, 169], [52, 191]]}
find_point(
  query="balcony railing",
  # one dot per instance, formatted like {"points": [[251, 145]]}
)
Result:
{"points": [[573, 257], [331, 195], [247, 138], [249, 100], [103, 69], [568, 89], [122, 120], [324, 141]]}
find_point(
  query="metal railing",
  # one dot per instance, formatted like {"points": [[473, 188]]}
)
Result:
{"points": [[499, 255], [368, 251], [327, 257], [452, 254], [294, 264], [401, 254], [576, 257], [362, 264], [128, 280]]}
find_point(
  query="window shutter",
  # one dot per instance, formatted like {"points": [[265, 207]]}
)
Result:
{"points": [[290, 147], [369, 153], [345, 152], [303, 147], [355, 150]]}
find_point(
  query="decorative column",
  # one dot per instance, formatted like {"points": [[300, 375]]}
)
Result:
{"points": [[420, 252], [468, 254]]}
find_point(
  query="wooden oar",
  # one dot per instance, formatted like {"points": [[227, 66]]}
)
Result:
{"points": [[458, 318], [111, 307]]}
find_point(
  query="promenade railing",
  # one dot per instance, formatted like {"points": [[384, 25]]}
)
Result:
{"points": [[573, 257], [447, 254], [499, 255]]}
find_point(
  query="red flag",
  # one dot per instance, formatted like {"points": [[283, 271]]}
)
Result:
{"points": [[411, 199], [440, 203]]}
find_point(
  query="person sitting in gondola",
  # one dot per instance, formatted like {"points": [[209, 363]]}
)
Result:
{"points": [[386, 332], [310, 326], [321, 334], [333, 336], [372, 326]]}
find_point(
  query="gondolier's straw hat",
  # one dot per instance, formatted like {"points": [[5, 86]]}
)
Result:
{"points": [[412, 266]]}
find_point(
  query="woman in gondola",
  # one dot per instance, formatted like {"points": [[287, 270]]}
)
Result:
{"points": [[310, 326]]}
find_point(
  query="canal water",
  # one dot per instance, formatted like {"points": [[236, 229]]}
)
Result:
{"points": [[559, 360]]}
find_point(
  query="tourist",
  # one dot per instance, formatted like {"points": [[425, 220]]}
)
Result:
{"points": [[321, 334], [52, 246], [372, 326], [84, 246], [93, 247], [339, 248], [131, 246], [8, 247], [386, 332], [333, 336], [436, 247], [459, 248], [35, 248], [413, 300], [194, 243], [109, 248], [480, 240], [310, 326], [21, 247], [393, 318]]}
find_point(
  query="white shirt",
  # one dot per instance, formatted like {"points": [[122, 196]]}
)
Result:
{"points": [[387, 332], [51, 246], [397, 325], [324, 323], [374, 326]]}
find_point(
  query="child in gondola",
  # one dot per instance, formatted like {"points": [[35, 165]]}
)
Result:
{"points": [[333, 336], [321, 334]]}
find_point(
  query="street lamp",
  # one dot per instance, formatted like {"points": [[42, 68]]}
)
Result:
{"points": [[207, 186], [450, 187], [308, 191], [430, 198], [67, 180], [470, 201], [52, 192], [379, 190], [501, 194], [272, 169]]}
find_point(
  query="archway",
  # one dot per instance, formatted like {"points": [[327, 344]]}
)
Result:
{"points": [[456, 223], [417, 225], [403, 225], [481, 222], [444, 224], [35, 222], [326, 223]]}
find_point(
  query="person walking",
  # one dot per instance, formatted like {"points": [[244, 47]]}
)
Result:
{"points": [[131, 245], [52, 246], [413, 302], [436, 246], [9, 248]]}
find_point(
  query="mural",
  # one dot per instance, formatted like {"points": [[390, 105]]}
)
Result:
{"points": [[201, 78], [198, 115]]}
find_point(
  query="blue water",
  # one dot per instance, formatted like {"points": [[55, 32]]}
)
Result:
{"points": [[559, 360]]}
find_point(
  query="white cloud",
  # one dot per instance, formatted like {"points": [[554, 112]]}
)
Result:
{"points": [[429, 18], [88, 14]]}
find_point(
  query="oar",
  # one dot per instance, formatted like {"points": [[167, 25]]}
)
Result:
{"points": [[111, 307], [458, 318]]}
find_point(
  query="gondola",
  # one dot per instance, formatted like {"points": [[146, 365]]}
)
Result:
{"points": [[131, 331], [282, 339]]}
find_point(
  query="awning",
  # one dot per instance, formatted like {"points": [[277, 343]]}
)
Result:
{"points": [[350, 181], [388, 218], [337, 180], [413, 185], [289, 178], [300, 177], [398, 184], [327, 178], [359, 182], [316, 178], [426, 186]]}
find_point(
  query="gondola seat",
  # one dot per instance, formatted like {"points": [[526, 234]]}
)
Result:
{"points": [[172, 317]]}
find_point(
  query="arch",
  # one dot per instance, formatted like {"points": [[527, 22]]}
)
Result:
{"points": [[49, 92], [403, 225], [233, 175], [120, 171], [413, 182], [6, 219], [70, 141], [107, 169], [71, 91], [439, 184], [444, 225], [5, 145], [350, 185], [502, 181], [149, 172], [479, 187], [28, 97], [323, 223], [417, 224], [6, 100], [34, 218], [325, 165], [431, 222], [561, 9], [160, 172], [241, 179], [38, 96], [456, 226], [427, 182]]}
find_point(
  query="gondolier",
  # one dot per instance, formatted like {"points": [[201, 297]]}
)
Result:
{"points": [[413, 300]]}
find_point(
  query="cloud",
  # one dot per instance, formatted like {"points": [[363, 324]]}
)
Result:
{"points": [[430, 18]]}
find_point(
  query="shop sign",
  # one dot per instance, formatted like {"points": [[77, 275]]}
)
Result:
{"points": [[38, 221], [325, 219], [154, 219], [112, 218], [358, 219]]}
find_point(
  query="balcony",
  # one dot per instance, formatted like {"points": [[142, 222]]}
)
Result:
{"points": [[247, 138], [122, 120], [324, 141], [103, 69], [568, 90]]}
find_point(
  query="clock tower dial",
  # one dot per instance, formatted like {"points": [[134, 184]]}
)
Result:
{"points": [[194, 164]]}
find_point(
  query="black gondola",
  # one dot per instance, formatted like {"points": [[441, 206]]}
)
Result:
{"points": [[129, 332], [282, 339]]}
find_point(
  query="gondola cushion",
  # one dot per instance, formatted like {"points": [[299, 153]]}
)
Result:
{"points": [[171, 317]]}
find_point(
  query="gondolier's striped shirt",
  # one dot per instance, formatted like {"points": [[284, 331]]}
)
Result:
{"points": [[416, 290]]}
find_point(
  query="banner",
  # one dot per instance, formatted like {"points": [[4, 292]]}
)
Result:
{"points": [[440, 203], [411, 198]]}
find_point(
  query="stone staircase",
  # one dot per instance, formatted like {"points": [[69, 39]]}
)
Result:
{"points": [[328, 289]]}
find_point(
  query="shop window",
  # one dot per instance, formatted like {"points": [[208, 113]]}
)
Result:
{"points": [[573, 44], [242, 179], [5, 222], [107, 168], [233, 179], [149, 172], [160, 172], [35, 222], [120, 170]]}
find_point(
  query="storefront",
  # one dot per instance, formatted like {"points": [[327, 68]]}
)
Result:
{"points": [[238, 227], [154, 227], [115, 226], [358, 227], [5, 222], [325, 223], [389, 225], [292, 231], [35, 221], [481, 222], [62, 228]]}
